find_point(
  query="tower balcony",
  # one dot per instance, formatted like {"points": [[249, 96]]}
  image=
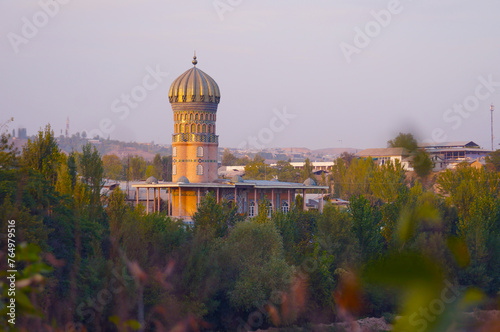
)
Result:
{"points": [[192, 137]]}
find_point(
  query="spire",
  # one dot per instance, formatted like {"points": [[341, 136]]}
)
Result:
{"points": [[194, 59]]}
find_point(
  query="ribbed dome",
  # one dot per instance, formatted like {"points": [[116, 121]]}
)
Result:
{"points": [[194, 86]]}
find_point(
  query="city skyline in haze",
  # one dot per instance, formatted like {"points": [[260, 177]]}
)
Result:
{"points": [[318, 74]]}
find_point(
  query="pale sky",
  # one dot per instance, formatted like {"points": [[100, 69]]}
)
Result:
{"points": [[344, 78]]}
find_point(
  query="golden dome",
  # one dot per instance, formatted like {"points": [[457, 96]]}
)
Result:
{"points": [[194, 85]]}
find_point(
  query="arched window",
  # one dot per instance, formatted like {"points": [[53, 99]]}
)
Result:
{"points": [[176, 128], [269, 209], [199, 169], [196, 117], [174, 151], [284, 207], [186, 127], [204, 128], [199, 129], [193, 128], [251, 209], [200, 151], [210, 128], [174, 169], [191, 116], [182, 128]]}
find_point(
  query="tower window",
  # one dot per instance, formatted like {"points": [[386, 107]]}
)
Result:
{"points": [[204, 128], [174, 151], [199, 170], [174, 169], [200, 151]]}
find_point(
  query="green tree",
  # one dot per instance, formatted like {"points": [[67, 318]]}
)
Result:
{"points": [[366, 227], [353, 180], [91, 172], [403, 140], [213, 216], [493, 160], [42, 154], [113, 168], [257, 169], [7, 150], [229, 159], [307, 171], [464, 184], [166, 172], [137, 170], [254, 264], [422, 163], [286, 172], [157, 166], [387, 181]]}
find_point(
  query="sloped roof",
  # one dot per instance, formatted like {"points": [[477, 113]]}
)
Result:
{"points": [[455, 144], [382, 152]]}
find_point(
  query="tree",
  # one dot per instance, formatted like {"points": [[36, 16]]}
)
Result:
{"points": [[347, 157], [493, 160], [422, 163], [465, 184], [7, 151], [366, 227], [285, 171], [388, 181], [403, 140], [307, 171], [42, 154], [91, 171], [112, 165], [157, 167], [353, 180], [254, 264], [137, 170], [229, 159], [166, 172], [256, 169], [213, 216]]}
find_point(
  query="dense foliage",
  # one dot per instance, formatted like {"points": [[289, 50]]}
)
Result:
{"points": [[97, 262]]}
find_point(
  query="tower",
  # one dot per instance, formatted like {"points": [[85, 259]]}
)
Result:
{"points": [[194, 97]]}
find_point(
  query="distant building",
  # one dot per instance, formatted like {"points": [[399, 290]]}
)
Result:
{"points": [[453, 153], [316, 165], [21, 133], [384, 155]]}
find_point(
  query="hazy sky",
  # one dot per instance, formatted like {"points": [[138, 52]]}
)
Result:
{"points": [[349, 73]]}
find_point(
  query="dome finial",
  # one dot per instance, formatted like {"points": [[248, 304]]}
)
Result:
{"points": [[194, 59]]}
